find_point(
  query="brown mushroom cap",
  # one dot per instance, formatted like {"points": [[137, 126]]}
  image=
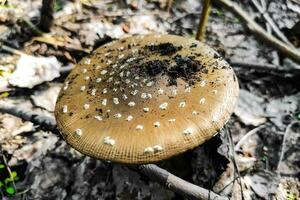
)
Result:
{"points": [[146, 98]]}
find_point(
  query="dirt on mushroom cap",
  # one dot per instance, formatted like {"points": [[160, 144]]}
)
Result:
{"points": [[146, 98]]}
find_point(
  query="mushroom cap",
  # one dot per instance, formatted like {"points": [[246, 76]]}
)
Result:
{"points": [[143, 99]]}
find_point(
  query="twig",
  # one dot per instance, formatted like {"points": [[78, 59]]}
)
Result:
{"points": [[176, 184], [154, 172], [246, 136], [11, 50], [283, 146], [34, 29], [290, 52], [203, 20], [9, 171], [169, 5], [47, 15], [263, 67], [270, 21], [236, 169], [46, 123]]}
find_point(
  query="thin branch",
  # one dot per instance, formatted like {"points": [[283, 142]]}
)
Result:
{"points": [[290, 52], [283, 146], [264, 67], [270, 21], [203, 20], [47, 15], [46, 123], [246, 136], [177, 184], [154, 172]]}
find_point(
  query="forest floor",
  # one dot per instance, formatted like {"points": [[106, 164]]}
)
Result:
{"points": [[260, 161]]}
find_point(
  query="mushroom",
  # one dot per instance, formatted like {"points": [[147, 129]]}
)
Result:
{"points": [[146, 98]]}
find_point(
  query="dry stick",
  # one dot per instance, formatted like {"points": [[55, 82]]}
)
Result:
{"points": [[47, 15], [290, 52], [283, 146], [246, 136], [203, 20], [270, 21], [176, 184], [169, 6], [263, 67], [154, 172]]}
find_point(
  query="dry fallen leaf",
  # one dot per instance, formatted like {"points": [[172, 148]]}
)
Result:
{"points": [[46, 98], [250, 108], [32, 71]]}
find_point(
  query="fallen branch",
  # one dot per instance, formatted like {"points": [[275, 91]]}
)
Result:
{"points": [[154, 172], [290, 52], [176, 184], [203, 20], [264, 67], [271, 22]]}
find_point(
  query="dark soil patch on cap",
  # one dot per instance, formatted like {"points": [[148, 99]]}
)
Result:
{"points": [[164, 48]]}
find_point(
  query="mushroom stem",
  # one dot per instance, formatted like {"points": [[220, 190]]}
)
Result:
{"points": [[203, 20], [177, 184], [154, 172]]}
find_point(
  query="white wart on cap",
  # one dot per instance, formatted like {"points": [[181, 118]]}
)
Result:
{"points": [[146, 99]]}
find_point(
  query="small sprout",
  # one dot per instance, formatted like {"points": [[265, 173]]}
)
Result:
{"points": [[10, 190], [87, 78]]}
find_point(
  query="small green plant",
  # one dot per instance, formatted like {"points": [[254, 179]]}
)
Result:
{"points": [[57, 6], [291, 196], [7, 180], [298, 116]]}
